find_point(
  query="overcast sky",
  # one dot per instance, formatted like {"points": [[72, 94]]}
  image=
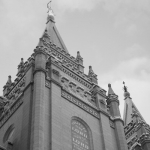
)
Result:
{"points": [[112, 35]]}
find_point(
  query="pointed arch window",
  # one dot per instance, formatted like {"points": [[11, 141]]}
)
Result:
{"points": [[9, 133], [81, 135]]}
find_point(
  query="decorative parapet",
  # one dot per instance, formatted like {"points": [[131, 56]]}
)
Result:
{"points": [[129, 127], [138, 142], [78, 91], [64, 57], [73, 73], [133, 127], [11, 98], [17, 89], [22, 69], [132, 141], [144, 137], [80, 104], [12, 108]]}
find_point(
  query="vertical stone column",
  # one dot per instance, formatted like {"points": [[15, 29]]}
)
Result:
{"points": [[105, 129], [113, 102], [38, 114]]}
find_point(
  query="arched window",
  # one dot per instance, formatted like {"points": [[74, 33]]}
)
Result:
{"points": [[9, 133], [81, 135]]}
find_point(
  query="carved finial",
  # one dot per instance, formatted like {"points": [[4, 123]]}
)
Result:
{"points": [[92, 75], [110, 90], [9, 80], [78, 54], [91, 72], [109, 85], [79, 58]]}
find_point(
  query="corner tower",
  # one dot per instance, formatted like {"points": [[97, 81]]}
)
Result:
{"points": [[137, 131], [53, 104]]}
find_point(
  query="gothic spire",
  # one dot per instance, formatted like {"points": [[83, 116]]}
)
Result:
{"points": [[129, 107], [51, 34], [110, 90]]}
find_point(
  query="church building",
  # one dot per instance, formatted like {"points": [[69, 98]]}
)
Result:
{"points": [[53, 105]]}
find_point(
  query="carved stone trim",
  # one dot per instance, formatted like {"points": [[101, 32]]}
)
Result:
{"points": [[111, 124], [47, 84], [40, 70], [55, 72], [80, 104], [69, 63], [60, 53], [2, 148], [10, 111], [77, 78], [17, 89]]}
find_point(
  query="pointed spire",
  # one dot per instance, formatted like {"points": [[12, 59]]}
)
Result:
{"points": [[7, 86], [21, 67], [92, 75], [126, 93], [22, 62], [91, 72], [110, 90], [9, 82], [78, 55], [79, 58]]}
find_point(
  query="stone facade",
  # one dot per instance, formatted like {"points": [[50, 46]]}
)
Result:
{"points": [[53, 105]]}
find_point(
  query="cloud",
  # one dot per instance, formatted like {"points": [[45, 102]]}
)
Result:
{"points": [[133, 63], [127, 14], [81, 5], [134, 69], [109, 5], [134, 51]]}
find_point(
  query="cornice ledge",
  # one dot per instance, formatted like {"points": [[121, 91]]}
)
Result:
{"points": [[56, 64], [39, 69], [54, 81], [92, 106], [104, 112], [110, 100], [39, 50], [78, 75], [117, 118]]}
